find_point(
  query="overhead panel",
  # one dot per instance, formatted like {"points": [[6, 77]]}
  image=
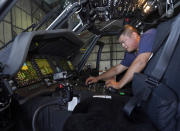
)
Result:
{"points": [[50, 1]]}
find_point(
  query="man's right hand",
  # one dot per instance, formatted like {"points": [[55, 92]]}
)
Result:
{"points": [[91, 80]]}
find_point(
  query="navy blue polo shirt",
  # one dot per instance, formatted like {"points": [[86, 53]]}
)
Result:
{"points": [[145, 45]]}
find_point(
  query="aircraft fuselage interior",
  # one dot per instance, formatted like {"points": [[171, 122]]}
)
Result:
{"points": [[42, 75]]}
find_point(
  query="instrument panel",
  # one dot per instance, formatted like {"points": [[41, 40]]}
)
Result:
{"points": [[35, 69], [27, 75], [36, 75], [44, 67]]}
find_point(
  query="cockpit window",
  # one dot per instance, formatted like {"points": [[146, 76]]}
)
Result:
{"points": [[32, 14], [20, 17]]}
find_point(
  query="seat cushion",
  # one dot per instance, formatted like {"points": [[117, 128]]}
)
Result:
{"points": [[97, 114]]}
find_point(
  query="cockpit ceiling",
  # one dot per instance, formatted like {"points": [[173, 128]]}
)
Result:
{"points": [[109, 26], [48, 5]]}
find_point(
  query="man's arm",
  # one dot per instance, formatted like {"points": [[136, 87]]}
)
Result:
{"points": [[137, 66], [112, 72], [108, 74]]}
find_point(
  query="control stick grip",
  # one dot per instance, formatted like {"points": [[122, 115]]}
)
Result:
{"points": [[112, 90]]}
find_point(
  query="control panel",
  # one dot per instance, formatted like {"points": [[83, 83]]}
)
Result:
{"points": [[44, 67], [36, 76], [27, 75], [41, 75]]}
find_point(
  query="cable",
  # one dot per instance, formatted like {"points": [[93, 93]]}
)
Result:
{"points": [[3, 108], [36, 113], [155, 21]]}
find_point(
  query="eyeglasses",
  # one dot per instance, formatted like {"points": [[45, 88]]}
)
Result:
{"points": [[123, 41]]}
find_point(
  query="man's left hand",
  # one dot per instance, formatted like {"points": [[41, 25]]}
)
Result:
{"points": [[112, 83]]}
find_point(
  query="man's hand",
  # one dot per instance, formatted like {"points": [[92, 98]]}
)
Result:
{"points": [[91, 80], [112, 83]]}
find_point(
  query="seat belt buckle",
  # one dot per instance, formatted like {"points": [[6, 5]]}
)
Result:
{"points": [[152, 82]]}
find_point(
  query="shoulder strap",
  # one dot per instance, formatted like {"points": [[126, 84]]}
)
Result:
{"points": [[167, 51], [162, 33]]}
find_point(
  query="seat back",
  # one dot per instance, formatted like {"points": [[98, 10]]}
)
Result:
{"points": [[171, 76]]}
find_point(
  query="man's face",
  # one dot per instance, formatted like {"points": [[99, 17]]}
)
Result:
{"points": [[129, 43]]}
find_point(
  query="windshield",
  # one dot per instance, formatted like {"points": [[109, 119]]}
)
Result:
{"points": [[28, 15]]}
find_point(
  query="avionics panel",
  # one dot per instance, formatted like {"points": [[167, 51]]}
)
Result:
{"points": [[44, 67], [56, 65], [66, 65], [27, 75], [70, 65]]}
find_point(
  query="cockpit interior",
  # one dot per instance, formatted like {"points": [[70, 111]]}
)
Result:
{"points": [[42, 69]]}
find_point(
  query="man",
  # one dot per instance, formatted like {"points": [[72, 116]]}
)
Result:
{"points": [[138, 52]]}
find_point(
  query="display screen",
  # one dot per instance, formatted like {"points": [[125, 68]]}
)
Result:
{"points": [[64, 65], [56, 65], [70, 65], [44, 66], [26, 75]]}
